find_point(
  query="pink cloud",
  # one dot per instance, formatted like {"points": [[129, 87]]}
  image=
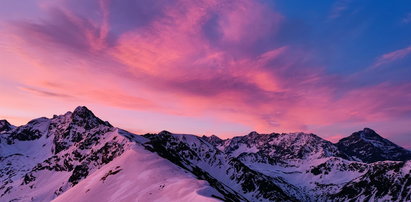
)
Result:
{"points": [[193, 59], [392, 56]]}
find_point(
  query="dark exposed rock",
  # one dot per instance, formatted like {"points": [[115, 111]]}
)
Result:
{"points": [[368, 146], [28, 132], [214, 140], [380, 181], [110, 172], [82, 116], [5, 126], [80, 172], [28, 178], [184, 153]]}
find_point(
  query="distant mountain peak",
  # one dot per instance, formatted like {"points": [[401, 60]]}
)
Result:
{"points": [[83, 115], [86, 157], [278, 147], [369, 133], [83, 111], [4, 122], [253, 133], [5, 125], [368, 146], [164, 132], [369, 130], [213, 139]]}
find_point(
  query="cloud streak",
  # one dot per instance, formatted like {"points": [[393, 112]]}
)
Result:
{"points": [[43, 92], [339, 8], [392, 56]]}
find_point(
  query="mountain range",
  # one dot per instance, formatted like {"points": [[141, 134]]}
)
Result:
{"points": [[79, 157]]}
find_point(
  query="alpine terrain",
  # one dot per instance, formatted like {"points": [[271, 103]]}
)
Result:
{"points": [[79, 157]]}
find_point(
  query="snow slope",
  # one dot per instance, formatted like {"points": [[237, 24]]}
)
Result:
{"points": [[140, 175], [79, 157], [47, 157]]}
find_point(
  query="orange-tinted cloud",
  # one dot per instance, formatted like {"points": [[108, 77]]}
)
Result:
{"points": [[218, 59]]}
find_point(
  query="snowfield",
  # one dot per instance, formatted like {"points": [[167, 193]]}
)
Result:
{"points": [[140, 176]]}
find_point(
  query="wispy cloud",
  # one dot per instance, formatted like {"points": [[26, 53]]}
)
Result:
{"points": [[210, 58], [339, 7], [41, 92], [392, 56]]}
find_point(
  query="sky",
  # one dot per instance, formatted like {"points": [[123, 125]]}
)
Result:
{"points": [[223, 67]]}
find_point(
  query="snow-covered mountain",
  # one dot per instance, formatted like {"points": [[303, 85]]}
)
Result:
{"points": [[277, 147], [79, 157], [48, 157], [5, 126], [368, 146]]}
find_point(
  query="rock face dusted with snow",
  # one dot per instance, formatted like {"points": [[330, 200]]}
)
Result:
{"points": [[67, 147], [226, 173], [277, 148], [5, 126], [318, 170], [368, 146], [79, 157], [383, 181], [45, 158]]}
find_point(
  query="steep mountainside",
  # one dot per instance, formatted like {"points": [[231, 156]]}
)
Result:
{"points": [[368, 146], [79, 157], [140, 175], [229, 175], [279, 147], [318, 167], [322, 169], [47, 157]]}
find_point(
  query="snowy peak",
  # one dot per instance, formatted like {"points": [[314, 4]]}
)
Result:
{"points": [[87, 159], [279, 147], [82, 112], [80, 127], [4, 123], [46, 158], [368, 146], [253, 134], [5, 126], [33, 130], [83, 115], [67, 147], [214, 140], [368, 134]]}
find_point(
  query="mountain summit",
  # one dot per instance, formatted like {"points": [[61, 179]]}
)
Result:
{"points": [[366, 145], [5, 126], [79, 157]]}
